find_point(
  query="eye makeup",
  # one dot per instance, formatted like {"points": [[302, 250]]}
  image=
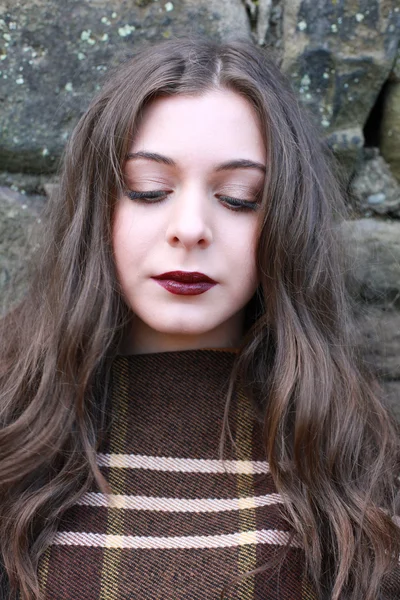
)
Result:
{"points": [[156, 196]]}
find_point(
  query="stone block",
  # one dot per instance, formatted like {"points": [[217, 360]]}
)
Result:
{"points": [[373, 246], [54, 55], [392, 396], [379, 330], [338, 55], [375, 189], [20, 228], [390, 128]]}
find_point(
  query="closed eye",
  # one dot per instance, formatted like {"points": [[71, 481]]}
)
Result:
{"points": [[238, 205], [150, 197], [154, 196]]}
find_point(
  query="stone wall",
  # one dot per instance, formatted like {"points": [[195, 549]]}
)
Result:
{"points": [[343, 61]]}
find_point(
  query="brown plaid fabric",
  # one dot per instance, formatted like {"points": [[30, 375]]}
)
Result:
{"points": [[180, 524]]}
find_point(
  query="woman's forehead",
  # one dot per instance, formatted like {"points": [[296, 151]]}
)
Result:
{"points": [[219, 125]]}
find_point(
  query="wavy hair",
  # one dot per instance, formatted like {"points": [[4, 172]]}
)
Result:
{"points": [[332, 448]]}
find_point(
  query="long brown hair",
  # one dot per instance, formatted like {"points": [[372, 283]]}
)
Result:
{"points": [[332, 448]]}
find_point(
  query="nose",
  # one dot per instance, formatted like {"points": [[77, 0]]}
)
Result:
{"points": [[189, 220]]}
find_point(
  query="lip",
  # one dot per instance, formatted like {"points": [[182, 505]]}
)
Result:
{"points": [[184, 283], [185, 277]]}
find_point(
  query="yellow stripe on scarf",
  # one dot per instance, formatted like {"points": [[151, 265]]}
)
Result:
{"points": [[115, 517], [247, 517]]}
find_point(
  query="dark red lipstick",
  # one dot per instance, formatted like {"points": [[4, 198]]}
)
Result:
{"points": [[185, 283]]}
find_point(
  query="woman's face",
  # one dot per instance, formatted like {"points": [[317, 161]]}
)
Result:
{"points": [[190, 208]]}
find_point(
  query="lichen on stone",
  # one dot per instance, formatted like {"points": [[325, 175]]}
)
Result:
{"points": [[126, 30], [86, 36]]}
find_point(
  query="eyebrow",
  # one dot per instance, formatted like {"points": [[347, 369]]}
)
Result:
{"points": [[240, 163]]}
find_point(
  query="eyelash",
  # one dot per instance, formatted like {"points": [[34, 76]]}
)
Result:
{"points": [[156, 196]]}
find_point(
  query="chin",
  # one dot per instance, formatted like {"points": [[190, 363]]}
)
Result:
{"points": [[186, 326], [183, 330]]}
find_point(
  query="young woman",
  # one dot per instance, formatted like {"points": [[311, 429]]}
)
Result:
{"points": [[183, 414]]}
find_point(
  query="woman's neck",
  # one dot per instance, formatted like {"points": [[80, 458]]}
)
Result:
{"points": [[139, 338]]}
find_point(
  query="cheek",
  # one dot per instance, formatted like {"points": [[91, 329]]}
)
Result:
{"points": [[128, 235], [243, 243], [124, 244]]}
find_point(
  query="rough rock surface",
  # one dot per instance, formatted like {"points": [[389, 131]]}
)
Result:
{"points": [[375, 189], [395, 73], [338, 55], [390, 128], [374, 248], [20, 226], [392, 396], [379, 330], [26, 183], [55, 54]]}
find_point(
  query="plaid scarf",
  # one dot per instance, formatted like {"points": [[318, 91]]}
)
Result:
{"points": [[180, 524]]}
